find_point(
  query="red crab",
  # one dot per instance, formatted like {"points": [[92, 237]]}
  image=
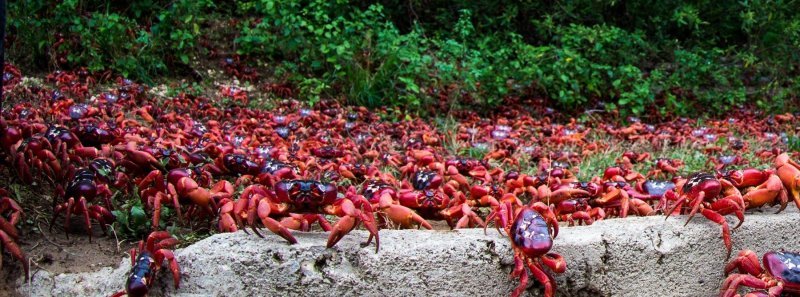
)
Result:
{"points": [[179, 187], [780, 273], [579, 210], [458, 168], [789, 172], [616, 195], [617, 173], [629, 158], [654, 190], [420, 160], [10, 214], [565, 191], [148, 262], [282, 90], [558, 171], [235, 94], [36, 152], [663, 165], [383, 198], [531, 234], [713, 198], [358, 172], [273, 171], [78, 196], [11, 77], [304, 196], [435, 204], [570, 201], [759, 187], [722, 161], [432, 201]]}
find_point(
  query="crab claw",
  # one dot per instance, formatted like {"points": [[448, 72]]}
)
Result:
{"points": [[766, 194], [789, 173], [468, 216], [263, 211], [350, 217], [564, 194], [401, 215]]}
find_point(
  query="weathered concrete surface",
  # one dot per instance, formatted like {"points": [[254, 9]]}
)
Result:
{"points": [[630, 257]]}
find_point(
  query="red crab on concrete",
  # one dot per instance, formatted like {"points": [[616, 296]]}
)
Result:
{"points": [[713, 198], [147, 262], [779, 274], [531, 234], [304, 197]]}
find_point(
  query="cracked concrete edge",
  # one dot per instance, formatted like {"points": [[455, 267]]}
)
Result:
{"points": [[629, 257]]}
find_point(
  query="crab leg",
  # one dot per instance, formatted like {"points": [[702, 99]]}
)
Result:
{"points": [[468, 216], [726, 232], [8, 203], [174, 194], [549, 217], [86, 219], [102, 216], [500, 215], [732, 283], [545, 279], [161, 255], [580, 216], [70, 205], [523, 282], [696, 202], [727, 206], [555, 262], [790, 176], [303, 222], [157, 210], [641, 208], [746, 262], [8, 228], [13, 248]]}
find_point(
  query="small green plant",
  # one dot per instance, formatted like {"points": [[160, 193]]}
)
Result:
{"points": [[793, 143], [134, 222]]}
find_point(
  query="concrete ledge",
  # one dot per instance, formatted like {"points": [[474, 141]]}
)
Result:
{"points": [[630, 257]]}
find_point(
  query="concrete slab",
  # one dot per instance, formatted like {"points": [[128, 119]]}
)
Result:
{"points": [[646, 256]]}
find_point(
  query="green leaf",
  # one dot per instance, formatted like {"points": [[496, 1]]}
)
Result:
{"points": [[122, 217], [138, 216]]}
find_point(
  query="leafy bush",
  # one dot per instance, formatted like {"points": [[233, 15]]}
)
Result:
{"points": [[628, 54], [139, 40]]}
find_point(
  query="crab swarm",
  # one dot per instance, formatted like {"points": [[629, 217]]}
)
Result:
{"points": [[295, 167]]}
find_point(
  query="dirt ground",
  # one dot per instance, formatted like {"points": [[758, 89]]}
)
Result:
{"points": [[55, 253]]}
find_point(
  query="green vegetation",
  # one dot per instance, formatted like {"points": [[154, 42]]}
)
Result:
{"points": [[686, 58], [134, 222]]}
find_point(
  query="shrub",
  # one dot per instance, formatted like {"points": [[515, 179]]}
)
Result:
{"points": [[464, 54]]}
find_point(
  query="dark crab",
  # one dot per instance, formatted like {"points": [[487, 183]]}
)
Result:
{"points": [[779, 274]]}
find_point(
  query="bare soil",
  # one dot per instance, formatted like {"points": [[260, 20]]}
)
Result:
{"points": [[55, 253]]}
